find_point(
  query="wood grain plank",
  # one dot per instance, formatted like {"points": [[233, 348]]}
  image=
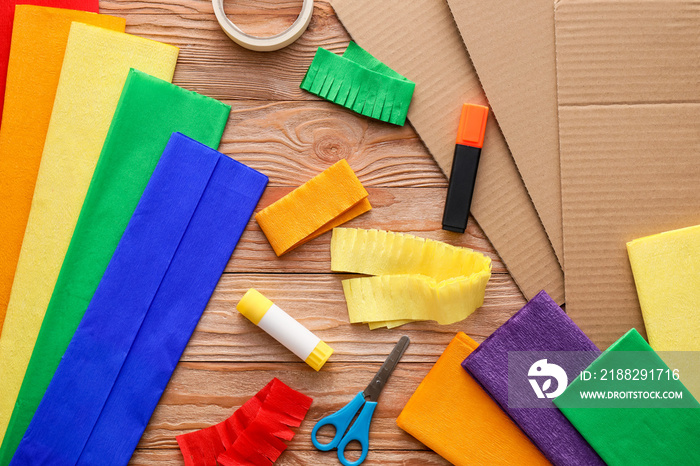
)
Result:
{"points": [[293, 141], [407, 210], [317, 301], [304, 458], [203, 394], [237, 10], [211, 64]]}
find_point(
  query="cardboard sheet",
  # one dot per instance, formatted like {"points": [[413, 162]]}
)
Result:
{"points": [[540, 325], [158, 282], [666, 269], [452, 415], [95, 67], [445, 79], [628, 123], [41, 33], [511, 44], [149, 111], [638, 436], [7, 13]]}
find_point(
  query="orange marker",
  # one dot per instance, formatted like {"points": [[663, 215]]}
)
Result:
{"points": [[470, 139]]}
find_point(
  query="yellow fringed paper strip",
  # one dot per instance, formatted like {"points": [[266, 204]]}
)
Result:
{"points": [[666, 270], [416, 278], [329, 199], [95, 67]]}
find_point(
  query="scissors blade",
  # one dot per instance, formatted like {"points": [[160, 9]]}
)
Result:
{"points": [[377, 384]]}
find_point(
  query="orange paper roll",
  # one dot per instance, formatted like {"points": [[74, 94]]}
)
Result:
{"points": [[322, 203], [39, 41], [452, 415]]}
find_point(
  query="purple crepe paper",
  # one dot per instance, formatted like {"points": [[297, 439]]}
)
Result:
{"points": [[540, 325]]}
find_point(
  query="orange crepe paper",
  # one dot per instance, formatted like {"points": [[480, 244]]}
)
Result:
{"points": [[39, 41], [329, 199], [451, 414], [7, 16]]}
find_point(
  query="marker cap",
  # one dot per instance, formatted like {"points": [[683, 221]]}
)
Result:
{"points": [[319, 355], [472, 125], [254, 305]]}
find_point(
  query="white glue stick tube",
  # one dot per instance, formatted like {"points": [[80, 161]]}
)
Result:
{"points": [[283, 328]]}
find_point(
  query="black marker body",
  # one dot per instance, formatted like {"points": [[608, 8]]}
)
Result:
{"points": [[461, 188]]}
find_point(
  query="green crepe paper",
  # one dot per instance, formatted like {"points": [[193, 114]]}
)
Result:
{"points": [[149, 111], [635, 436], [360, 82]]}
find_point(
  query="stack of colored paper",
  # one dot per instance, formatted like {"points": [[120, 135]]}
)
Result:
{"points": [[116, 229]]}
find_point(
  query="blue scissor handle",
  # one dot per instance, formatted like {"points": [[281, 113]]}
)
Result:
{"points": [[341, 419], [360, 432]]}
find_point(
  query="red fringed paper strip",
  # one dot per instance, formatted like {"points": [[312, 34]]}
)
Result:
{"points": [[253, 434]]}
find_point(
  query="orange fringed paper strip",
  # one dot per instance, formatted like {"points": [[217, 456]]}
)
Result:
{"points": [[451, 414], [322, 203], [38, 44]]}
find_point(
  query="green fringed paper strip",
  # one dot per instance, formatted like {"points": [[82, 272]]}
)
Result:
{"points": [[360, 82]]}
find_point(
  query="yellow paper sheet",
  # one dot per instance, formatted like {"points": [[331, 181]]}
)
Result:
{"points": [[327, 200], [94, 70], [666, 270], [415, 278]]}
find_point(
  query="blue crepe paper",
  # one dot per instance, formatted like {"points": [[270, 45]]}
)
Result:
{"points": [[151, 296]]}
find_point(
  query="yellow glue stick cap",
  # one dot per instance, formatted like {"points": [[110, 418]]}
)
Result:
{"points": [[319, 355], [253, 305]]}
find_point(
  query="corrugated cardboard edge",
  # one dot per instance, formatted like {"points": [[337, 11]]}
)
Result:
{"points": [[420, 40], [511, 44]]}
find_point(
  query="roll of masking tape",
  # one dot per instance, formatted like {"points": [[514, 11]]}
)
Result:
{"points": [[264, 44]]}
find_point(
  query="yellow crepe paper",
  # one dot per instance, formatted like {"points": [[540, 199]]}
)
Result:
{"points": [[329, 199], [95, 67], [417, 278], [666, 271]]}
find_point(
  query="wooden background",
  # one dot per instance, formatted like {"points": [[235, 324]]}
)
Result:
{"points": [[291, 135]]}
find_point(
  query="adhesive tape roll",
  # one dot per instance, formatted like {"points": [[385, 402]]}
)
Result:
{"points": [[264, 44]]}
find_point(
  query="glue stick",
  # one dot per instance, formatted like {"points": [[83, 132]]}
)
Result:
{"points": [[283, 328]]}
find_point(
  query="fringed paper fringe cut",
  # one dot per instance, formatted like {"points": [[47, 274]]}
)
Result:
{"points": [[254, 433], [360, 82], [416, 278], [327, 200]]}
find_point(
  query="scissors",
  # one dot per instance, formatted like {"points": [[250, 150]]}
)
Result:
{"points": [[367, 400]]}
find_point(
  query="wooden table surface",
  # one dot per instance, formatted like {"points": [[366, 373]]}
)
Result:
{"points": [[291, 135]]}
